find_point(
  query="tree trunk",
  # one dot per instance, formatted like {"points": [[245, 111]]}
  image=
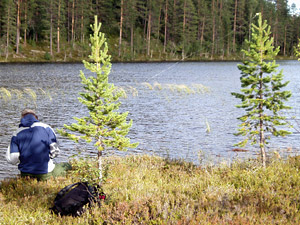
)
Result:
{"points": [[262, 145], [261, 127], [145, 29], [51, 28], [7, 33], [249, 28], [25, 22], [277, 23], [100, 164], [166, 26], [221, 28], [284, 44], [174, 20], [76, 21], [199, 21], [183, 29], [100, 167], [81, 25], [202, 35], [18, 27], [132, 32], [234, 25], [228, 45], [121, 27], [159, 17], [68, 32], [73, 22], [131, 38], [36, 33], [214, 28], [58, 27], [149, 29]]}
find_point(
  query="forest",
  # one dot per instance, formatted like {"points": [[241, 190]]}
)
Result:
{"points": [[141, 30]]}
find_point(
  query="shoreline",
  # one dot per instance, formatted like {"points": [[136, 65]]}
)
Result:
{"points": [[133, 61]]}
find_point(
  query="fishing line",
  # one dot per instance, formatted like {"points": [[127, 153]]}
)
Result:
{"points": [[217, 40], [156, 75]]}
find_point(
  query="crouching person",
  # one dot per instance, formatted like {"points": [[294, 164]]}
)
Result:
{"points": [[32, 148]]}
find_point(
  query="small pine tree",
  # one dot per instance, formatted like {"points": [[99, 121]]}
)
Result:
{"points": [[261, 95], [104, 125]]}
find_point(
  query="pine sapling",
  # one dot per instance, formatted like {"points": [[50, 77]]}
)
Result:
{"points": [[262, 96], [104, 125]]}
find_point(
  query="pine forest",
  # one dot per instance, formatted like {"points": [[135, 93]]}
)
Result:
{"points": [[141, 30]]}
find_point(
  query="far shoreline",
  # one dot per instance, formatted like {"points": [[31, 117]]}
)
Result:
{"points": [[132, 61]]}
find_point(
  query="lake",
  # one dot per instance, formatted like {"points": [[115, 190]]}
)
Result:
{"points": [[180, 110]]}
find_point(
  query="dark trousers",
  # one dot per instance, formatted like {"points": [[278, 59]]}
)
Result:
{"points": [[59, 170]]}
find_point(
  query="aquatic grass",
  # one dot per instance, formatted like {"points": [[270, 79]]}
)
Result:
{"points": [[207, 126], [165, 89], [127, 90], [181, 89], [157, 85], [132, 90], [5, 94], [31, 93], [152, 190], [18, 93], [28, 94], [199, 88], [45, 93], [148, 85]]}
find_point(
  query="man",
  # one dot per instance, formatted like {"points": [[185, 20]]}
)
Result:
{"points": [[33, 146]]}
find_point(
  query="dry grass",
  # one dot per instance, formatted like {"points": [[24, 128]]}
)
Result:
{"points": [[151, 190]]}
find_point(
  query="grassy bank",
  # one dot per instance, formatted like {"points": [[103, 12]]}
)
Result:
{"points": [[151, 190]]}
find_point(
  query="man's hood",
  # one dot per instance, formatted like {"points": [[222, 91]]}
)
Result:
{"points": [[28, 120]]}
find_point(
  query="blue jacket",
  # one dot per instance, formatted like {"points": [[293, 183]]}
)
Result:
{"points": [[32, 147]]}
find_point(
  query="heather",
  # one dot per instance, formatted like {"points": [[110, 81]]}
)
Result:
{"points": [[153, 190]]}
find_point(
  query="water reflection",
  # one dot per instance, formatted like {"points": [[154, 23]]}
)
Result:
{"points": [[167, 121]]}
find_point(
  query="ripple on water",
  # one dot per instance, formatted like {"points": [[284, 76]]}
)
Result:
{"points": [[167, 122]]}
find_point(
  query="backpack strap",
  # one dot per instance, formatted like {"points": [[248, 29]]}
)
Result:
{"points": [[63, 191]]}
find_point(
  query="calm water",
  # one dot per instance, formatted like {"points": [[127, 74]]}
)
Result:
{"points": [[167, 121]]}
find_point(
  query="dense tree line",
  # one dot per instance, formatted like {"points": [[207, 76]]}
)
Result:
{"points": [[153, 28]]}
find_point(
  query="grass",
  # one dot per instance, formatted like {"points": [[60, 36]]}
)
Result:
{"points": [[152, 190], [178, 88]]}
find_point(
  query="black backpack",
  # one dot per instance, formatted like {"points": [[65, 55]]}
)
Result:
{"points": [[72, 199]]}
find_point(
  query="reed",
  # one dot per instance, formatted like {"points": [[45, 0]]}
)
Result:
{"points": [[26, 95], [207, 126], [181, 89], [5, 94]]}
